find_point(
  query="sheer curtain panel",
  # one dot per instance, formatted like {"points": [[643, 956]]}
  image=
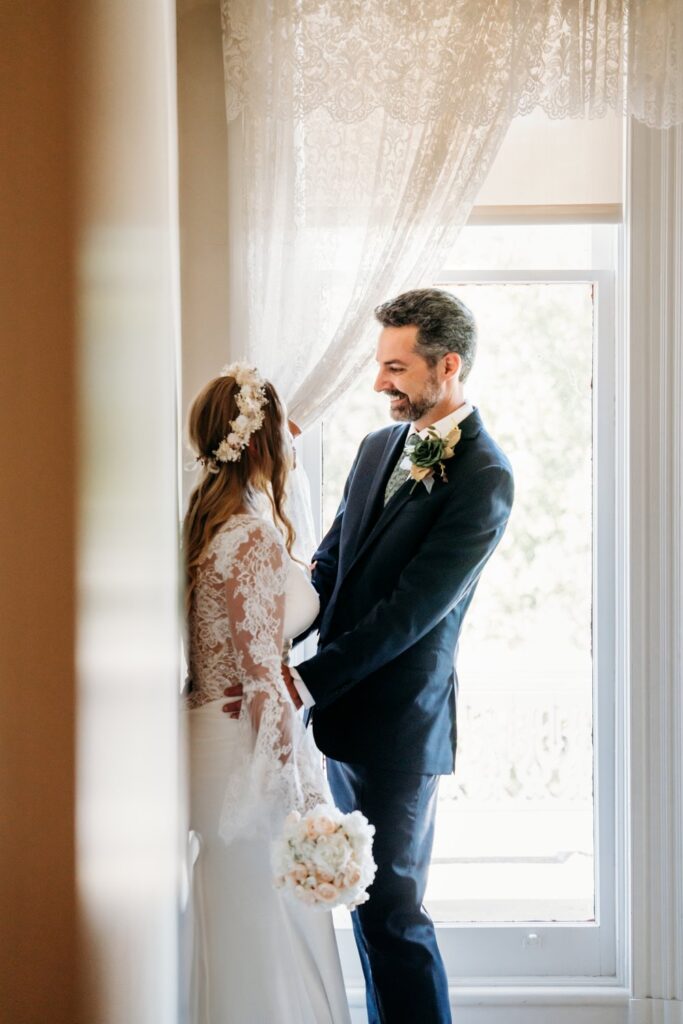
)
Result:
{"points": [[360, 133]]}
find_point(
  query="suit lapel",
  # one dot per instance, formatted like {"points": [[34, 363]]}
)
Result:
{"points": [[376, 514], [388, 512], [374, 502], [374, 524]]}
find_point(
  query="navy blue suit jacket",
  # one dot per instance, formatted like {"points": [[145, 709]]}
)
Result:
{"points": [[395, 582]]}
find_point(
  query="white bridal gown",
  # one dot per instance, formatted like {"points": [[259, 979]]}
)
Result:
{"points": [[258, 959]]}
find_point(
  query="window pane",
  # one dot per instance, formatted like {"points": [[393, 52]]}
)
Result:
{"points": [[515, 826]]}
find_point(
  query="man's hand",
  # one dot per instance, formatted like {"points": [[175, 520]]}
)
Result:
{"points": [[291, 688], [233, 709]]}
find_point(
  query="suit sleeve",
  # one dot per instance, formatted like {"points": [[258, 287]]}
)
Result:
{"points": [[440, 574]]}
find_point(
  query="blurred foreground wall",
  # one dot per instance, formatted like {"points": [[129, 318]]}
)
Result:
{"points": [[37, 517], [89, 639]]}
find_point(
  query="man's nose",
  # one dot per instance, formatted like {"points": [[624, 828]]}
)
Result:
{"points": [[380, 382]]}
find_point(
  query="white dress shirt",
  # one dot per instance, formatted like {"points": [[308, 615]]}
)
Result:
{"points": [[443, 427]]}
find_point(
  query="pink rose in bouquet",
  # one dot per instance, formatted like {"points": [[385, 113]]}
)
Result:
{"points": [[324, 859]]}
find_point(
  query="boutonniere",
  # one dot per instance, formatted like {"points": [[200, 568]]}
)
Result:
{"points": [[426, 454]]}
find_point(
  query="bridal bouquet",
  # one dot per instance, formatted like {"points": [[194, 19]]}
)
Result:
{"points": [[324, 858]]}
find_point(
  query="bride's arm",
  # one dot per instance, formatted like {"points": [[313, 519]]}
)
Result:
{"points": [[283, 770], [254, 599]]}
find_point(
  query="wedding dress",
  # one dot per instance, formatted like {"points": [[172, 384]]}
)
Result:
{"points": [[258, 959]]}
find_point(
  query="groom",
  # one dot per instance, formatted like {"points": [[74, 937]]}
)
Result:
{"points": [[396, 574]]}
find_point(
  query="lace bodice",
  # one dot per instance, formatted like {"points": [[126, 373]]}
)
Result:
{"points": [[237, 636], [247, 587]]}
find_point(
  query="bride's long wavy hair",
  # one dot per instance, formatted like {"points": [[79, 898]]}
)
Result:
{"points": [[227, 488]]}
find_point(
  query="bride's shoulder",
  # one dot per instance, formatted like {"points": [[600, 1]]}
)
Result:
{"points": [[248, 530]]}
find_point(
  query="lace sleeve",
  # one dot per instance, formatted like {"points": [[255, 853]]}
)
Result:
{"points": [[284, 772]]}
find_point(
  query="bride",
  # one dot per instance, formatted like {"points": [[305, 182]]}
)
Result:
{"points": [[262, 959]]}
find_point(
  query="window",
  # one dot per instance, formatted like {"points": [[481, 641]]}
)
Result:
{"points": [[524, 872]]}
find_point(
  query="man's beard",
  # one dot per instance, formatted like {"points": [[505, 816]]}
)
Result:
{"points": [[412, 410]]}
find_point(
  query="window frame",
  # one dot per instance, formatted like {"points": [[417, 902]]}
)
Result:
{"points": [[570, 955]]}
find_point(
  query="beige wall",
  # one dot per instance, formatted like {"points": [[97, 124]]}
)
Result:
{"points": [[37, 908], [203, 194]]}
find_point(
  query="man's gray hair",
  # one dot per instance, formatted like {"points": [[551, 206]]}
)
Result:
{"points": [[444, 324]]}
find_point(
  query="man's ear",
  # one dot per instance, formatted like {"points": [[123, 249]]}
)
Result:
{"points": [[452, 364]]}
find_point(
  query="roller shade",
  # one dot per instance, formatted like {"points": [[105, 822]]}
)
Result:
{"points": [[569, 169]]}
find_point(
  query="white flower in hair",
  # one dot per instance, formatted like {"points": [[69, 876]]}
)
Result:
{"points": [[251, 399]]}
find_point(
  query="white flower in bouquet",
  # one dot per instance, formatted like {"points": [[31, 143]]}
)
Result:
{"points": [[324, 859]]}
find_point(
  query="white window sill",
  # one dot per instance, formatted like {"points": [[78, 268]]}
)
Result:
{"points": [[533, 1003]]}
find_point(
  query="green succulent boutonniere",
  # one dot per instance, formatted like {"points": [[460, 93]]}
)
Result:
{"points": [[426, 454]]}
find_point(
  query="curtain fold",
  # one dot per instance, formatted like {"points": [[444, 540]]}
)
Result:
{"points": [[655, 62], [360, 132]]}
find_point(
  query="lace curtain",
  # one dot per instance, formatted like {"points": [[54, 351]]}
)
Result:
{"points": [[361, 130]]}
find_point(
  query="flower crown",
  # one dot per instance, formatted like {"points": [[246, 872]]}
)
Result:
{"points": [[251, 399]]}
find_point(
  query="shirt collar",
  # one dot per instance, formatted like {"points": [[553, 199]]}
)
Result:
{"points": [[445, 425]]}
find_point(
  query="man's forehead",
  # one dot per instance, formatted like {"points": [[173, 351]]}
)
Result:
{"points": [[396, 344]]}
